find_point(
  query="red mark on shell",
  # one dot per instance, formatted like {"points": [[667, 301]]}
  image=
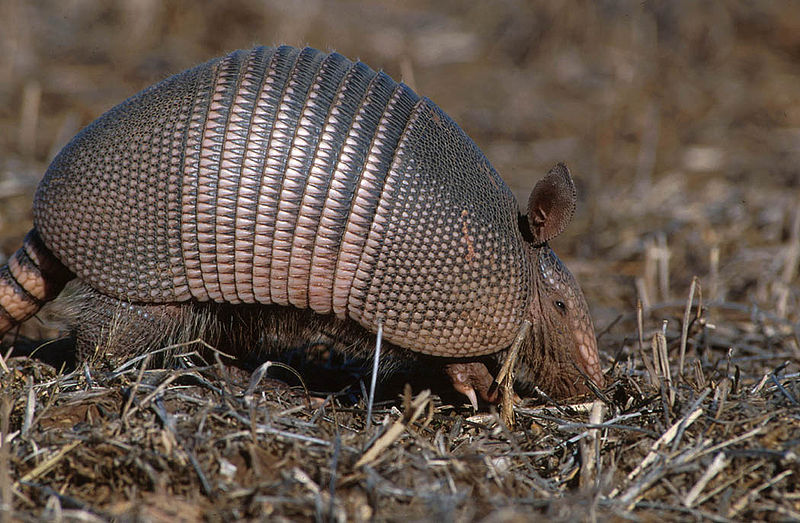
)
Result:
{"points": [[435, 117]]}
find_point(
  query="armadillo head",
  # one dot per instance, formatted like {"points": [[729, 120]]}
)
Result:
{"points": [[562, 350]]}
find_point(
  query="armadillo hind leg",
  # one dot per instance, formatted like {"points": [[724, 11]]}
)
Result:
{"points": [[105, 326], [32, 277]]}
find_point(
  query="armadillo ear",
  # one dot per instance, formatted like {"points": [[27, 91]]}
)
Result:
{"points": [[552, 204]]}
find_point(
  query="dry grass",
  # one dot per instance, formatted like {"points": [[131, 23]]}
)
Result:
{"points": [[681, 123]]}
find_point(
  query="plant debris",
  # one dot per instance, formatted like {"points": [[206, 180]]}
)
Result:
{"points": [[680, 122]]}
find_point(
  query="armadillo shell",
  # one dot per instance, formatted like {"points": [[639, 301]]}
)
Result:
{"points": [[293, 177]]}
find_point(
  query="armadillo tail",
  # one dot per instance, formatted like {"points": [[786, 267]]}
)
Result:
{"points": [[32, 277]]}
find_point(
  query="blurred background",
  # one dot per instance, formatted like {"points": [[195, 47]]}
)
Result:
{"points": [[680, 120]]}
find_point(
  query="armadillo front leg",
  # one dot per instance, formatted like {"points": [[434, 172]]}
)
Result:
{"points": [[472, 379], [473, 376]]}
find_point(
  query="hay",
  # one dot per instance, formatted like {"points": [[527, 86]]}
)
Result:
{"points": [[680, 122]]}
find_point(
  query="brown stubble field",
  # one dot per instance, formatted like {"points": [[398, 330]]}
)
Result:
{"points": [[681, 124]]}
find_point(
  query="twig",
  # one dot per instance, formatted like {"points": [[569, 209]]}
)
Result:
{"points": [[30, 408], [699, 514], [682, 428], [337, 448], [671, 462], [47, 464], [783, 390], [3, 362], [760, 385], [640, 331], [661, 358], [6, 505], [685, 326], [374, 378], [590, 448], [131, 362], [198, 469], [719, 463], [664, 440], [738, 439], [135, 387], [730, 481], [304, 479], [753, 494], [261, 371], [506, 376], [413, 411], [266, 429]]}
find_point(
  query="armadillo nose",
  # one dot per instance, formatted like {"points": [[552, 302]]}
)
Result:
{"points": [[592, 363], [590, 358]]}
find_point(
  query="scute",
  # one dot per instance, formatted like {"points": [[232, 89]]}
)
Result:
{"points": [[452, 254], [108, 202], [244, 180]]}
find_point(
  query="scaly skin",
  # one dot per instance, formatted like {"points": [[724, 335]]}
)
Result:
{"points": [[284, 177]]}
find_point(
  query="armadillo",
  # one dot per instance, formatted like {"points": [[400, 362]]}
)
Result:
{"points": [[278, 194]]}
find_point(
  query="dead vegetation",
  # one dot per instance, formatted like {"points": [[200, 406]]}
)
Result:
{"points": [[681, 123]]}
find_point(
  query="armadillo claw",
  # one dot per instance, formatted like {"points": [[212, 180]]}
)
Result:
{"points": [[473, 398], [473, 379]]}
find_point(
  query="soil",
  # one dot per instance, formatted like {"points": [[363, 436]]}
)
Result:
{"points": [[681, 124]]}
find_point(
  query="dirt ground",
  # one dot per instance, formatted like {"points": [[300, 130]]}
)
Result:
{"points": [[681, 123]]}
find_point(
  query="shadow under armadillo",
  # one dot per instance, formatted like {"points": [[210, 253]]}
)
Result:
{"points": [[328, 352]]}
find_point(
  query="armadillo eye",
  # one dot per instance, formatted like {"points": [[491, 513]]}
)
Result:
{"points": [[560, 305]]}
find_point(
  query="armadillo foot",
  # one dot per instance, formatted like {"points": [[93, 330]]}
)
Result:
{"points": [[473, 379]]}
